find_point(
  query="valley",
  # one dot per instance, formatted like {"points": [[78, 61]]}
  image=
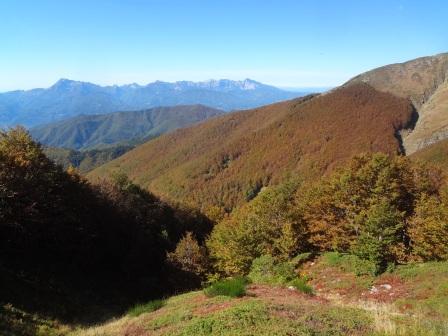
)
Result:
{"points": [[227, 207]]}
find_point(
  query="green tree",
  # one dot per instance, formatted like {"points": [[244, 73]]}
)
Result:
{"points": [[381, 227], [262, 227]]}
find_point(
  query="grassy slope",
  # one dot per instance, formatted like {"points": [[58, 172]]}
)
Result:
{"points": [[217, 162], [344, 304], [266, 311], [436, 154]]}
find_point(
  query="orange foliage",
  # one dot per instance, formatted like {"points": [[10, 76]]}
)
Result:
{"points": [[219, 162]]}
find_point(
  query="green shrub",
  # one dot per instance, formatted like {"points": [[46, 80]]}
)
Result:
{"points": [[301, 285], [234, 287], [301, 258], [145, 308], [265, 270], [350, 263]]}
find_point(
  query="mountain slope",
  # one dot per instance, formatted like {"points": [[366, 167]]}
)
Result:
{"points": [[68, 98], [87, 132], [228, 159], [424, 81], [436, 154]]}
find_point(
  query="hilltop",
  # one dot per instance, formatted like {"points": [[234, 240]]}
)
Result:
{"points": [[425, 82], [227, 160], [68, 98]]}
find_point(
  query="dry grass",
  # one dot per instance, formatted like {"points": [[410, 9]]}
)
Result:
{"points": [[436, 154]]}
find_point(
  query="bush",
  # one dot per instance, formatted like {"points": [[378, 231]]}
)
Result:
{"points": [[149, 307], [235, 287], [264, 270], [350, 263], [301, 285]]}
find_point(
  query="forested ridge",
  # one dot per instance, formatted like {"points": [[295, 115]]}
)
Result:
{"points": [[225, 161]]}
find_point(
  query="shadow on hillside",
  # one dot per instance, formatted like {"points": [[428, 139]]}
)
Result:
{"points": [[83, 301]]}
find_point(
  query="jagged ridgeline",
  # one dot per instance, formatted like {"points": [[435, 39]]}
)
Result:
{"points": [[67, 246]]}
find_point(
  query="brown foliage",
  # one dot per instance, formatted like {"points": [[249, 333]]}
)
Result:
{"points": [[219, 162]]}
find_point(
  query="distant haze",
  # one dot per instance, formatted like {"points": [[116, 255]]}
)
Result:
{"points": [[67, 98]]}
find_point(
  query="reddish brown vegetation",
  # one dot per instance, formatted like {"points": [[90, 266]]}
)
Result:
{"points": [[223, 160]]}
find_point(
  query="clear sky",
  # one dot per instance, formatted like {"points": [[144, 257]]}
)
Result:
{"points": [[293, 43]]}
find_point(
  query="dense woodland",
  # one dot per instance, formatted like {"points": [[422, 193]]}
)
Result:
{"points": [[68, 246], [114, 237], [78, 251], [85, 161], [383, 209], [225, 161]]}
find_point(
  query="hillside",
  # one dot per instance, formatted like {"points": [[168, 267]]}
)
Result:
{"points": [[74, 251], [68, 98], [403, 302], [436, 154], [105, 130], [425, 82], [227, 160]]}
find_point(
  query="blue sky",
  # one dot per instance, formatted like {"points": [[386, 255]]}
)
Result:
{"points": [[286, 43]]}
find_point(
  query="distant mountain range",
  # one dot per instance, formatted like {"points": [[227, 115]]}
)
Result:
{"points": [[106, 130], [68, 98]]}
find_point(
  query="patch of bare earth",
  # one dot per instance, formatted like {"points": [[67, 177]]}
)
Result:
{"points": [[281, 295], [330, 281], [386, 289]]}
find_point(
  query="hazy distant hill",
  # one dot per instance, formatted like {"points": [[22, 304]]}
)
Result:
{"points": [[69, 98], [225, 160], [425, 82], [105, 130]]}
